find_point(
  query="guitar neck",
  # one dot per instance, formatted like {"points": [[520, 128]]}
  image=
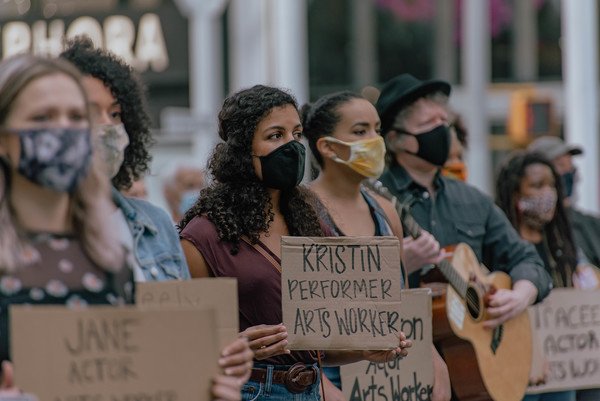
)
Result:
{"points": [[412, 228]]}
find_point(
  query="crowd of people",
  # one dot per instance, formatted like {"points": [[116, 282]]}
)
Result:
{"points": [[74, 141]]}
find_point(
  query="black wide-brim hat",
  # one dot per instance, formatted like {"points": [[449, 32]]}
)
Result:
{"points": [[402, 91]]}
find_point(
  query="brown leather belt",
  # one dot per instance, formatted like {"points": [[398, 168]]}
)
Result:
{"points": [[297, 378]]}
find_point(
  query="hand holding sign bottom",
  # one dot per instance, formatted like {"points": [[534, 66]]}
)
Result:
{"points": [[267, 340], [389, 355]]}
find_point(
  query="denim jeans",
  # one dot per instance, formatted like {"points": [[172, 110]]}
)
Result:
{"points": [[333, 374], [568, 395], [255, 391]]}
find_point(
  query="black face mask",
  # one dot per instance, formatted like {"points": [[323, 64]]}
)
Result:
{"points": [[434, 146], [568, 180], [283, 168]]}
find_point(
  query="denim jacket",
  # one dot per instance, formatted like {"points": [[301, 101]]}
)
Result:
{"points": [[155, 241]]}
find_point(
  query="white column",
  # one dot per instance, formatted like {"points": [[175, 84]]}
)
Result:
{"points": [[290, 46], [364, 43], [445, 41], [205, 71], [525, 56], [269, 45], [580, 66], [475, 77], [247, 44]]}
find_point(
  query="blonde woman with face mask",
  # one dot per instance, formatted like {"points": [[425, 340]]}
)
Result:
{"points": [[343, 132]]}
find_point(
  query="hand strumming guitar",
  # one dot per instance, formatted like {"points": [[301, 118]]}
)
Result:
{"points": [[503, 305]]}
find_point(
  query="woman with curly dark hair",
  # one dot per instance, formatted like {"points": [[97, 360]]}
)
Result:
{"points": [[121, 135], [129, 109], [235, 230]]}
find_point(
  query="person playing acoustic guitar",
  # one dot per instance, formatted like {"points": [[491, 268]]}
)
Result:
{"points": [[414, 122]]}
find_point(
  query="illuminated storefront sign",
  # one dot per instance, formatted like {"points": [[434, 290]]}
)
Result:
{"points": [[143, 47]]}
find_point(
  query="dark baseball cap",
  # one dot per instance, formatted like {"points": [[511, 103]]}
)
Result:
{"points": [[552, 146], [403, 90]]}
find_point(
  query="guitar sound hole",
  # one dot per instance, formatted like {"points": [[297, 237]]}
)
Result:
{"points": [[473, 303]]}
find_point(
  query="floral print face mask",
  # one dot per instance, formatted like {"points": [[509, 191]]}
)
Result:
{"points": [[55, 158], [537, 211]]}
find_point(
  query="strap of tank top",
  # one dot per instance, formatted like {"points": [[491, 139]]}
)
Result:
{"points": [[387, 224], [263, 252]]}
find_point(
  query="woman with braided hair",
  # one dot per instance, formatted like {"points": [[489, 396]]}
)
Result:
{"points": [[530, 192]]}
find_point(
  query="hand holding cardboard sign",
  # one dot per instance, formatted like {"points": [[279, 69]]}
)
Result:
{"points": [[389, 355], [6, 382], [226, 388], [7, 390], [267, 340], [236, 359]]}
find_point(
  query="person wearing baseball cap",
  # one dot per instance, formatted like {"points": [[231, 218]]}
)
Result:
{"points": [[415, 121], [561, 155]]}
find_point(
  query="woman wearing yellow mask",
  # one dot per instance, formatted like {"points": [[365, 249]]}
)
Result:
{"points": [[343, 132]]}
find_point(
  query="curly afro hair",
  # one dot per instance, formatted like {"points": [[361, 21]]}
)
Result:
{"points": [[237, 202], [129, 91]]}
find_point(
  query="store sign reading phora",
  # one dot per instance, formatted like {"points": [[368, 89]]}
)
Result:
{"points": [[117, 34]]}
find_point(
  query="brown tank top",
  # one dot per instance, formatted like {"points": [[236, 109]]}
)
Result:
{"points": [[259, 282]]}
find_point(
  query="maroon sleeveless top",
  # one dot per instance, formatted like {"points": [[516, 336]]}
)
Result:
{"points": [[259, 282]]}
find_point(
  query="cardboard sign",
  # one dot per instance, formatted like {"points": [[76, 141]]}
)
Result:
{"points": [[341, 293], [567, 323], [218, 293], [410, 378], [103, 353]]}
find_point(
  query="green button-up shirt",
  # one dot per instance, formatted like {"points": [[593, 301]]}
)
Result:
{"points": [[458, 213]]}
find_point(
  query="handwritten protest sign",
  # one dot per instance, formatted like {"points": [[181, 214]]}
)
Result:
{"points": [[410, 378], [567, 323], [341, 293], [218, 293], [103, 353]]}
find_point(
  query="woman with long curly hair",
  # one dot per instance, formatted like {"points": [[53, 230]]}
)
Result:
{"points": [[235, 230], [121, 134], [530, 192], [55, 245]]}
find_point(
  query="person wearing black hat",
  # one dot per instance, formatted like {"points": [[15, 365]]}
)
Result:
{"points": [[415, 124]]}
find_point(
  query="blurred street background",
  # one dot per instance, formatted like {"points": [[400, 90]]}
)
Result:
{"points": [[519, 68]]}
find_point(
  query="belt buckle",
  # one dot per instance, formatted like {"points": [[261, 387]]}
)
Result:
{"points": [[292, 376]]}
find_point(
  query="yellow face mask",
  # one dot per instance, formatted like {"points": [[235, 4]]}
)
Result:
{"points": [[367, 156], [455, 170]]}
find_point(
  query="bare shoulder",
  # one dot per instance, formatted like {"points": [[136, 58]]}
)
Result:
{"points": [[196, 262]]}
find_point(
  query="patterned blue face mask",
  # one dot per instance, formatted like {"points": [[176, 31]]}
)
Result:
{"points": [[55, 158], [188, 199]]}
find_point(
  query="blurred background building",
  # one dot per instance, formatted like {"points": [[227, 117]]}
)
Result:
{"points": [[519, 68]]}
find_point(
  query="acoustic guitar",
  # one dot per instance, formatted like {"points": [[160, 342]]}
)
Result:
{"points": [[483, 364]]}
